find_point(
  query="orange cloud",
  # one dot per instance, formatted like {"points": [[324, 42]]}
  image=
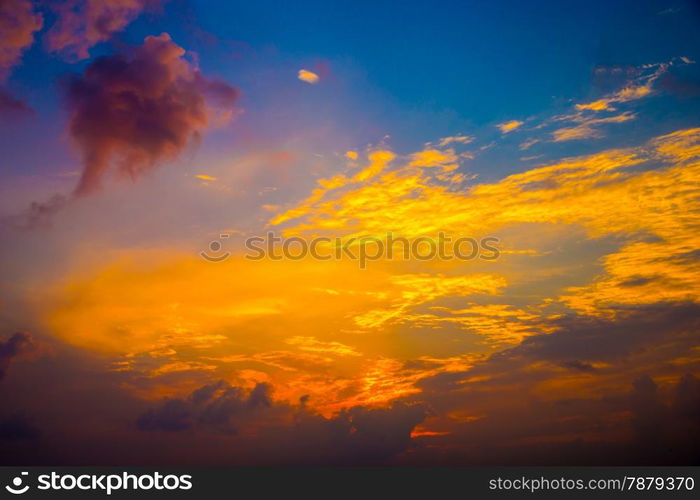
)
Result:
{"points": [[641, 87], [347, 337], [509, 126], [307, 76]]}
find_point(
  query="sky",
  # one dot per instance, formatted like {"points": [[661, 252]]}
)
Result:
{"points": [[145, 142]]}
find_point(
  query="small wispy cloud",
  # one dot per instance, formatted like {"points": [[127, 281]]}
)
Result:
{"points": [[459, 139], [629, 93], [587, 128], [307, 76], [509, 126], [638, 88], [584, 122], [525, 145]]}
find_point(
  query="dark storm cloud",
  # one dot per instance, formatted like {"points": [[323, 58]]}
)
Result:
{"points": [[358, 435], [17, 345], [596, 391], [214, 406], [649, 334], [646, 335], [666, 426], [687, 398], [17, 427], [646, 424], [137, 110], [355, 435], [593, 339], [379, 433], [628, 404], [589, 393]]}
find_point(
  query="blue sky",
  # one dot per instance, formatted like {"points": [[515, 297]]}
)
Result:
{"points": [[413, 70], [484, 60], [460, 64]]}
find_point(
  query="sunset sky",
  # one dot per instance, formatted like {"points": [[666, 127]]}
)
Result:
{"points": [[138, 135]]}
